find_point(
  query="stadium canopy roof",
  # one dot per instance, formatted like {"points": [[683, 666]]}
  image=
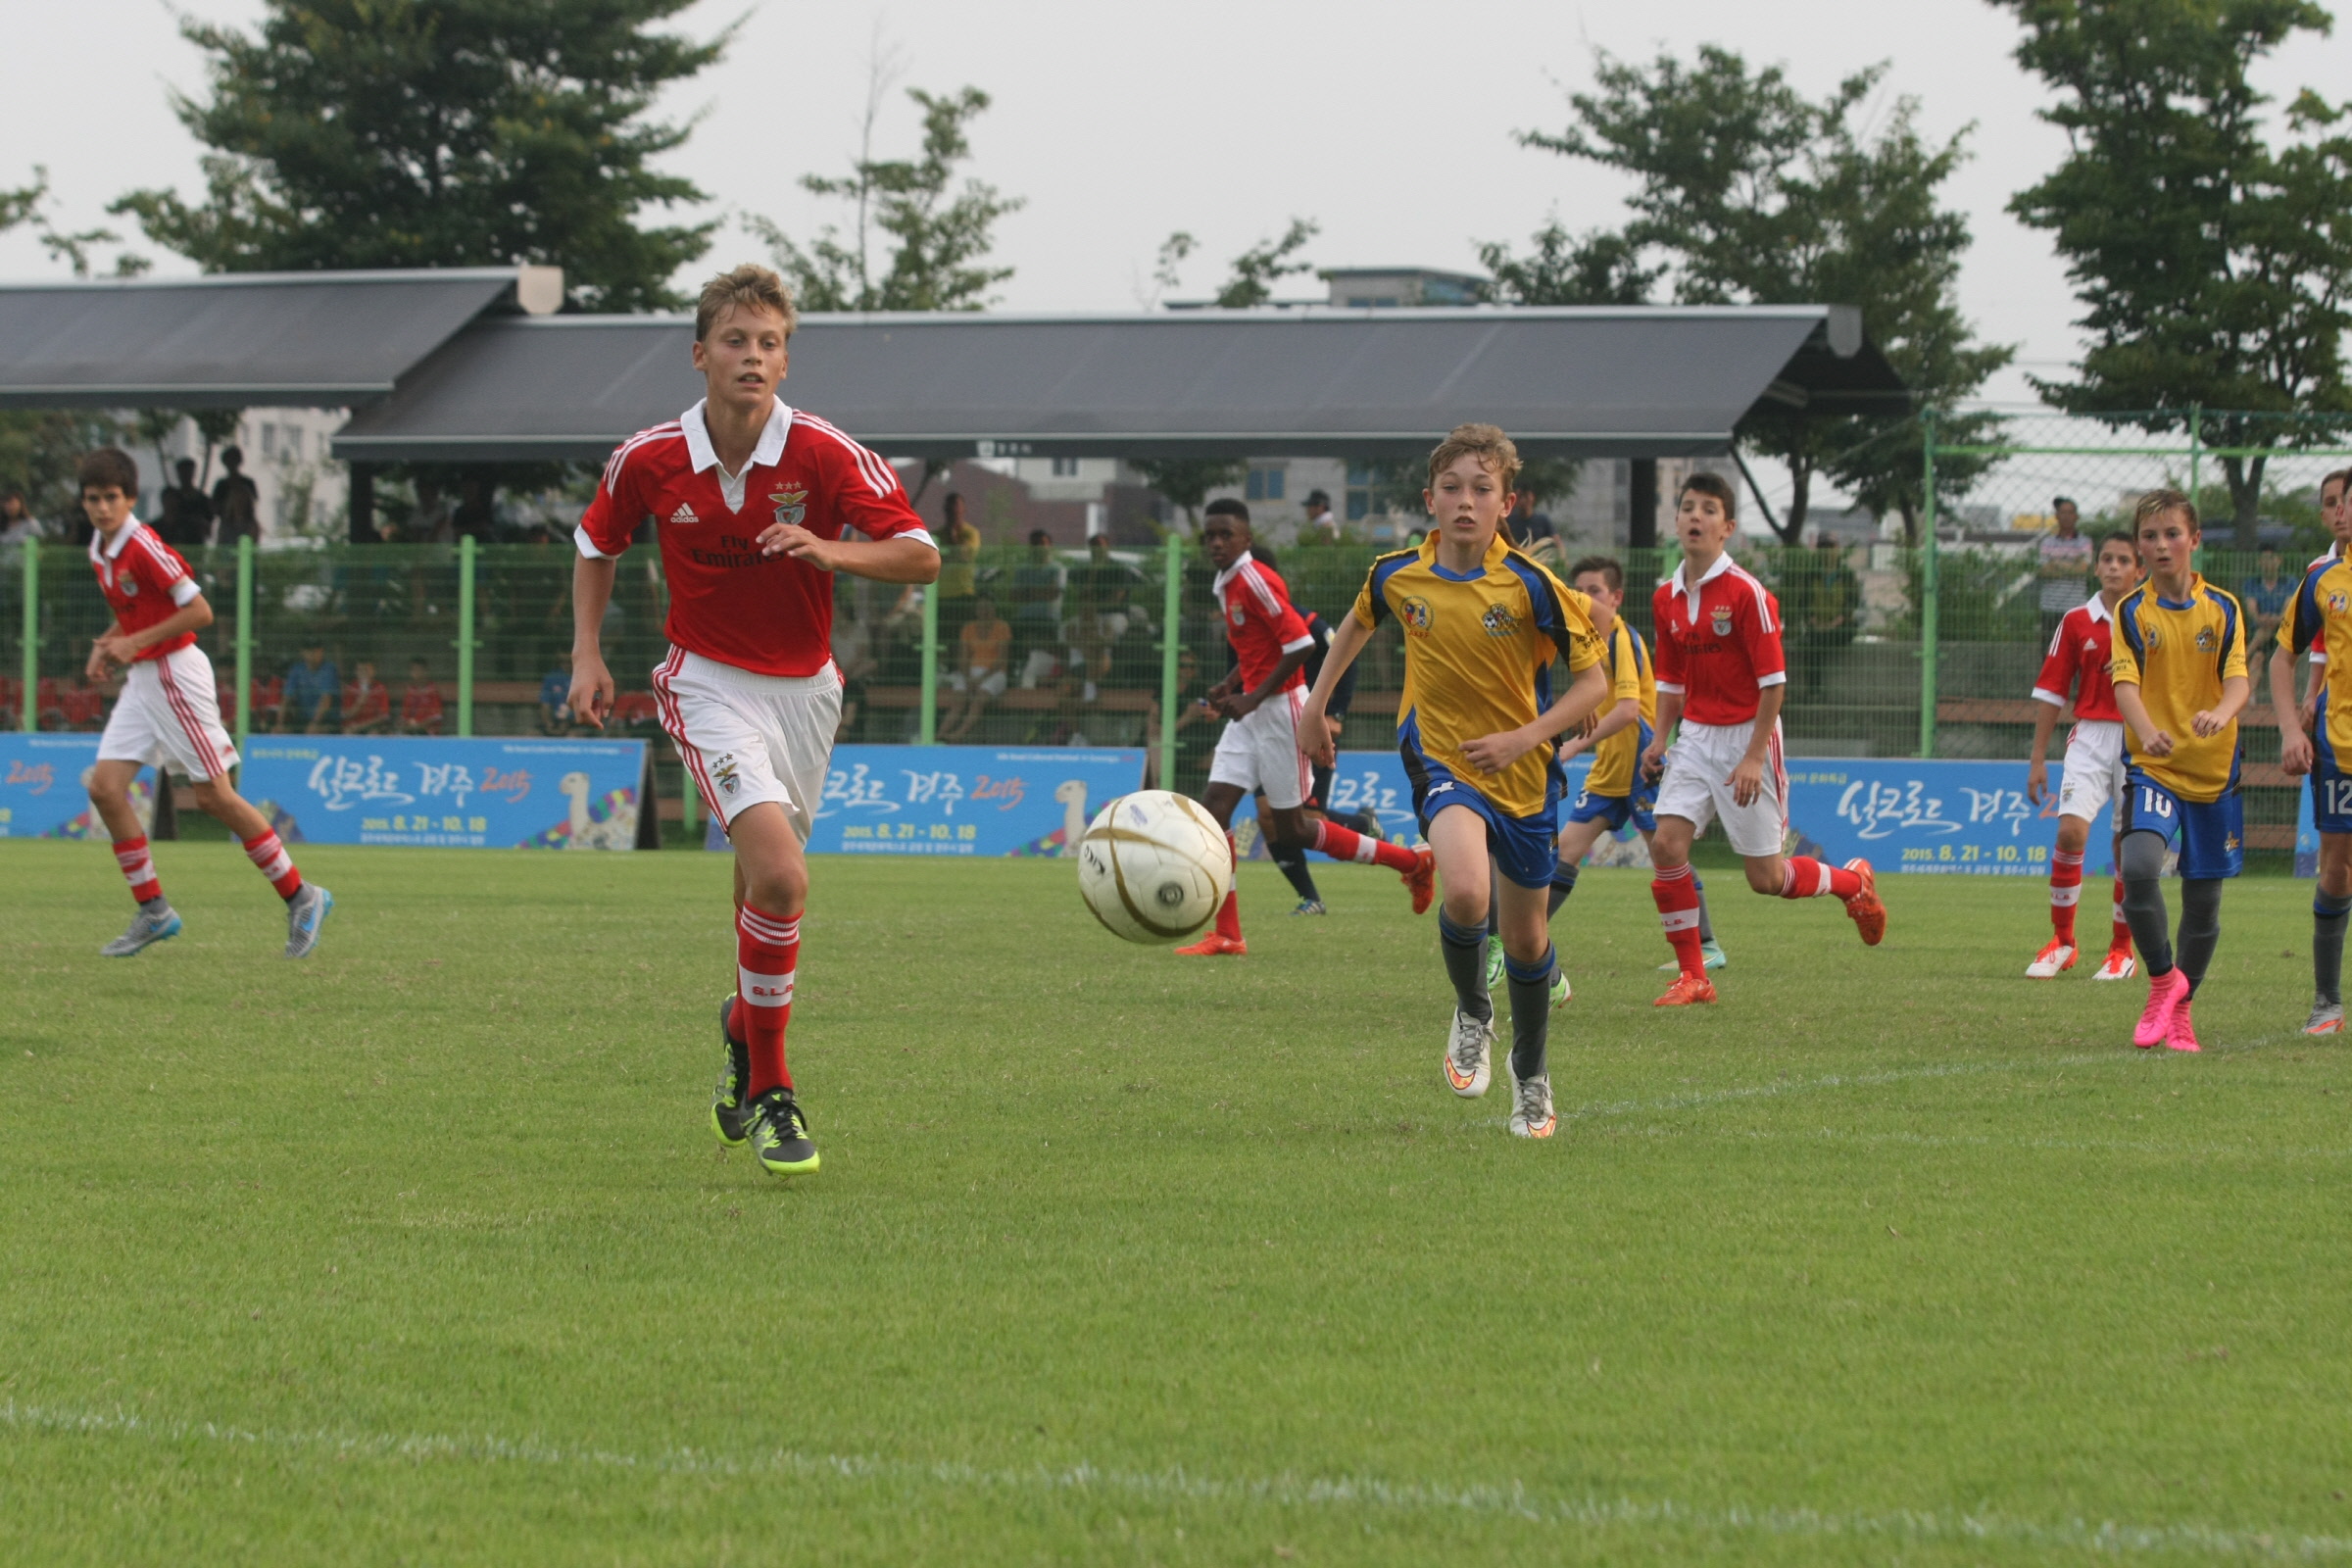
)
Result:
{"points": [[1601, 381], [244, 340]]}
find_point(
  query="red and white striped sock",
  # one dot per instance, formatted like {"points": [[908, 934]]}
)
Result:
{"points": [[271, 858], [2066, 892], [768, 951], [1229, 913], [1675, 893], [1803, 877], [1345, 843], [138, 868], [2120, 940]]}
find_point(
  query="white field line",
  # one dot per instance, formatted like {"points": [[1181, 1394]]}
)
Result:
{"points": [[1178, 1486]]}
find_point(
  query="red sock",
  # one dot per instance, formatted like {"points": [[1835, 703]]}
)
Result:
{"points": [[2066, 892], [1804, 877], [1677, 896], [138, 868], [1345, 843], [1229, 913], [2120, 940], [269, 857], [768, 951]]}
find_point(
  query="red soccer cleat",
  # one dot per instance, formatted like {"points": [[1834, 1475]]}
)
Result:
{"points": [[1216, 945], [1867, 913], [1422, 880], [1687, 990]]}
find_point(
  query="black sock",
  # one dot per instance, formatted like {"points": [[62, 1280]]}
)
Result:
{"points": [[1563, 883], [1530, 985], [1494, 900], [1706, 921], [159, 904], [1465, 948], [1363, 822], [1292, 863], [2200, 927], [2328, 919]]}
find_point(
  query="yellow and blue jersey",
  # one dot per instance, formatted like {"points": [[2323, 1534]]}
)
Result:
{"points": [[2179, 652], [1630, 675], [1478, 653], [2320, 608]]}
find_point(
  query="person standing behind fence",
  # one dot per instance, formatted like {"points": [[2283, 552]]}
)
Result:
{"points": [[17, 521], [959, 568], [186, 520], [2065, 563], [236, 500]]}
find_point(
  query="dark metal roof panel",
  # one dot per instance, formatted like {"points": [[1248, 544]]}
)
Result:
{"points": [[313, 339], [1623, 383]]}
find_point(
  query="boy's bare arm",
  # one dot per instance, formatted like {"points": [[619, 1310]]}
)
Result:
{"points": [[591, 696], [1493, 752], [2037, 770], [2294, 747], [1315, 737], [903, 560]]}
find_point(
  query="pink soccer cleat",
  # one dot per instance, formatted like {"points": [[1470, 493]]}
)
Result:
{"points": [[2182, 1035], [2166, 992]]}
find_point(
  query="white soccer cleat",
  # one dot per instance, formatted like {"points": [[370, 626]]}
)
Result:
{"points": [[1469, 1055], [2326, 1017], [1531, 1113], [305, 912], [2118, 966], [146, 930], [2056, 957]]}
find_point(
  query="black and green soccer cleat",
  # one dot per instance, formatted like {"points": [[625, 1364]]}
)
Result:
{"points": [[779, 1134], [730, 1104]]}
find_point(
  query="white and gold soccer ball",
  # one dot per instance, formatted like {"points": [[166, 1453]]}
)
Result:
{"points": [[1153, 867]]}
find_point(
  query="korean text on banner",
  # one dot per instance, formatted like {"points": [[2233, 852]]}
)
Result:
{"points": [[966, 800], [467, 793]]}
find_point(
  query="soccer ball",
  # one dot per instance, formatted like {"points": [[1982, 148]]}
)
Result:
{"points": [[1153, 867]]}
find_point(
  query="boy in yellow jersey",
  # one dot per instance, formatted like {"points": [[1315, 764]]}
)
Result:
{"points": [[2179, 672], [1478, 729], [1615, 791], [2321, 610]]}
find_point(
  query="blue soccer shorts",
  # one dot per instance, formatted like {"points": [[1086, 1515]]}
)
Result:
{"points": [[2209, 835], [1615, 810], [2331, 788], [1525, 848]]}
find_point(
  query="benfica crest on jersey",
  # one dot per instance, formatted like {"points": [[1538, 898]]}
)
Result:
{"points": [[1723, 621], [792, 505]]}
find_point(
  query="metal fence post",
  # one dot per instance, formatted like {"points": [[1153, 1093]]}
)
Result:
{"points": [[1928, 589], [244, 637], [1170, 636], [929, 733], [2196, 452], [465, 560], [32, 718]]}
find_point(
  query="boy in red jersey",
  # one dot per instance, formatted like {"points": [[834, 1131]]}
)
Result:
{"points": [[420, 702], [1722, 678], [168, 713], [1259, 750], [2078, 662], [756, 503]]}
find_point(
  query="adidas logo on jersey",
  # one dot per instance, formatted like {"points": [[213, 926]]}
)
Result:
{"points": [[684, 513]]}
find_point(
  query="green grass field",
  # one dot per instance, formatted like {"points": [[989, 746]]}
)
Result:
{"points": [[422, 1252]]}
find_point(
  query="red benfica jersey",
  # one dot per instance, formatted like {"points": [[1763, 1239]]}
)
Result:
{"points": [[1259, 622], [144, 580], [2078, 651], [771, 614], [1720, 647]]}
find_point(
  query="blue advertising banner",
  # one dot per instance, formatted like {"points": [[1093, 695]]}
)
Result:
{"points": [[1940, 818], [44, 788], [466, 794], [966, 800]]}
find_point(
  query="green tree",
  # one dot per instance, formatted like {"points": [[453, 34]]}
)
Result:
{"points": [[1185, 482], [1753, 193], [940, 234], [2212, 264], [1595, 268], [1253, 273], [355, 133]]}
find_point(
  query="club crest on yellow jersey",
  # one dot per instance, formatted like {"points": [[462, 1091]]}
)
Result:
{"points": [[1498, 621], [2338, 604], [792, 505], [1416, 615], [2205, 640]]}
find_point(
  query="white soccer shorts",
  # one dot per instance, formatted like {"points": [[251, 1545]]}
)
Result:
{"points": [[1259, 751], [747, 738], [1697, 786], [168, 714], [2094, 768]]}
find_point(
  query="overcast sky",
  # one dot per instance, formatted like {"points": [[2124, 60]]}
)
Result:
{"points": [[1389, 125]]}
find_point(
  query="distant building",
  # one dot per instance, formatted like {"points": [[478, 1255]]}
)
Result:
{"points": [[1402, 287]]}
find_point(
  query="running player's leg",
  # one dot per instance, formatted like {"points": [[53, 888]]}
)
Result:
{"points": [[1291, 860], [2330, 908], [2212, 840], [1220, 798], [1675, 891], [2140, 857], [1576, 842], [1289, 780], [2066, 894], [110, 797], [1524, 850], [1457, 840], [1756, 829]]}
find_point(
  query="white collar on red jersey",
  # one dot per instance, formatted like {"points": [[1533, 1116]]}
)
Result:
{"points": [[764, 455], [1229, 573], [2096, 608], [1690, 591], [100, 550]]}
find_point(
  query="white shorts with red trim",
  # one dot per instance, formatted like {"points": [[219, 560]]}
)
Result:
{"points": [[1697, 786], [747, 738], [2094, 768], [1259, 751], [170, 716]]}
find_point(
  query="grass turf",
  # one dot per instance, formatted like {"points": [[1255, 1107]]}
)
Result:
{"points": [[422, 1252]]}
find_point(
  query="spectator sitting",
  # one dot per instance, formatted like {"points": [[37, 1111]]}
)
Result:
{"points": [[186, 519], [236, 501], [420, 702], [1037, 587], [2266, 595], [366, 702], [313, 694], [1100, 589], [1322, 525], [17, 521], [555, 697], [985, 644], [268, 700], [958, 568]]}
